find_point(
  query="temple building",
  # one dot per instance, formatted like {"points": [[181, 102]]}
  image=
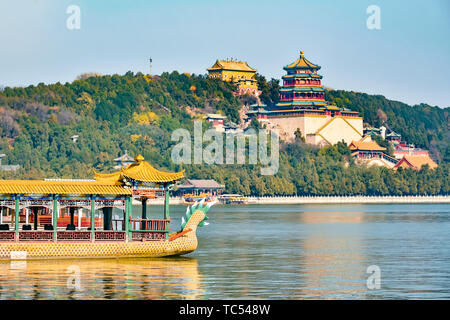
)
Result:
{"points": [[368, 152], [415, 162], [217, 121], [237, 72], [303, 107]]}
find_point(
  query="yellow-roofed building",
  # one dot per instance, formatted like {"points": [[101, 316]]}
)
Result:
{"points": [[303, 108], [238, 72], [368, 152], [416, 162]]}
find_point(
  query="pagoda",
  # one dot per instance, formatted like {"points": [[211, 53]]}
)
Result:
{"points": [[302, 86], [303, 108]]}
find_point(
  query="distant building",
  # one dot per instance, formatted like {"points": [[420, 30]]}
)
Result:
{"points": [[415, 162], [196, 187], [217, 121], [394, 137], [370, 153], [237, 72], [5, 167], [123, 161], [303, 107], [232, 128], [402, 148], [409, 150], [371, 131]]}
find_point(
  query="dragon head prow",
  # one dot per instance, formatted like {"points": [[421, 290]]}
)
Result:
{"points": [[196, 214]]}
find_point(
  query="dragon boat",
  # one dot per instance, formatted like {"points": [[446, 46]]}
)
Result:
{"points": [[60, 218]]}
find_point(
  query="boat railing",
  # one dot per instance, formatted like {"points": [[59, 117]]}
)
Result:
{"points": [[34, 235], [149, 229], [110, 235], [150, 225], [148, 236], [73, 235], [7, 235], [63, 236]]}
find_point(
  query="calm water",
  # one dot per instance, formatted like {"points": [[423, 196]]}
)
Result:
{"points": [[268, 252]]}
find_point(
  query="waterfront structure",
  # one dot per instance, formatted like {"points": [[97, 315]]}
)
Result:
{"points": [[237, 72], [106, 202], [196, 187], [233, 199], [415, 162], [303, 109], [368, 152]]}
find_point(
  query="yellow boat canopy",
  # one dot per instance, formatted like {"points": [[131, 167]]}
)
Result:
{"points": [[139, 171], [61, 187]]}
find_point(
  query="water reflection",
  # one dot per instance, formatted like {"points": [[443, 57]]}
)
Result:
{"points": [[330, 264], [268, 252], [175, 278]]}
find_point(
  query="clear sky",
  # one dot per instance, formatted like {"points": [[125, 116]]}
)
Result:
{"points": [[406, 60]]}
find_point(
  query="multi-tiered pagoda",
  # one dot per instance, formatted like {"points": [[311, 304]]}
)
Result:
{"points": [[303, 109], [301, 86]]}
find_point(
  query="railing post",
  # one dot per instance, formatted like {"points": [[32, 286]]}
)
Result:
{"points": [[55, 218], [166, 207], [127, 218], [144, 213], [16, 221], [92, 218]]}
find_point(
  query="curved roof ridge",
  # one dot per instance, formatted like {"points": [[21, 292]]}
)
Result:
{"points": [[140, 171], [302, 62]]}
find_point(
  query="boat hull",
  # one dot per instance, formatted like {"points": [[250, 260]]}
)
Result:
{"points": [[39, 250], [179, 243]]}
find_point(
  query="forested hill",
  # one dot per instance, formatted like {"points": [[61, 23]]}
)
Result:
{"points": [[132, 112], [423, 125]]}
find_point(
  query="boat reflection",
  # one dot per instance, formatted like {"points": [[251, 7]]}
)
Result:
{"points": [[169, 278]]}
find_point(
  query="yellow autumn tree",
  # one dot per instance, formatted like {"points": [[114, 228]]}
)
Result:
{"points": [[87, 101], [146, 118], [135, 137]]}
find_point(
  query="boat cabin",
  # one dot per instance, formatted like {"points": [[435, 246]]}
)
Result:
{"points": [[68, 210]]}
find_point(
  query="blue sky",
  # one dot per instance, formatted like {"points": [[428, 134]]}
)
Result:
{"points": [[407, 60]]}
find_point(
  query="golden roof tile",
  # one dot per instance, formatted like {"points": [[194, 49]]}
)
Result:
{"points": [[302, 62], [231, 65], [140, 171], [366, 145], [416, 162], [61, 187]]}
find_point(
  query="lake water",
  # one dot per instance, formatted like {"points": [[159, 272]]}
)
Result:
{"points": [[267, 252]]}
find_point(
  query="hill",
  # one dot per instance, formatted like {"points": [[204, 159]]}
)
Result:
{"points": [[132, 112]]}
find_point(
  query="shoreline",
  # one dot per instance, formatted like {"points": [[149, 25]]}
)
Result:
{"points": [[323, 200]]}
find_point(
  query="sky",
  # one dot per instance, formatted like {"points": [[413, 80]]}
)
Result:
{"points": [[407, 59]]}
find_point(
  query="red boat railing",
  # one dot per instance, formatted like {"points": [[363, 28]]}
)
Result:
{"points": [[150, 224]]}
